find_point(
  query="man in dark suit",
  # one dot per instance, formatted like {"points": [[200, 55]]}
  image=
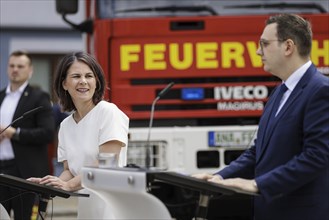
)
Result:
{"points": [[289, 163], [23, 146]]}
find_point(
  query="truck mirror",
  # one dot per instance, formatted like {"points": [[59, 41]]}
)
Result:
{"points": [[67, 6]]}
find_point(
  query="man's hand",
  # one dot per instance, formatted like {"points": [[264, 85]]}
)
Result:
{"points": [[238, 183], [2, 137], [203, 176], [206, 176], [8, 133]]}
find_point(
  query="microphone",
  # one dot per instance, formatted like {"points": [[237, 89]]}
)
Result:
{"points": [[165, 90], [148, 150], [26, 114]]}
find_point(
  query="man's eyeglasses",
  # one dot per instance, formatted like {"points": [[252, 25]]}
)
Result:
{"points": [[264, 43]]}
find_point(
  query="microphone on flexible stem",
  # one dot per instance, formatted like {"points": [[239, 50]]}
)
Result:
{"points": [[26, 114], [148, 150]]}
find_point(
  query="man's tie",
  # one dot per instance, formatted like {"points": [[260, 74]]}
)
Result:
{"points": [[282, 89]]}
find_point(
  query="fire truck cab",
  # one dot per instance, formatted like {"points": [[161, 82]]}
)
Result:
{"points": [[208, 49]]}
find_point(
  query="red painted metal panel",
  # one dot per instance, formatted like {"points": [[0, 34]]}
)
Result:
{"points": [[141, 55]]}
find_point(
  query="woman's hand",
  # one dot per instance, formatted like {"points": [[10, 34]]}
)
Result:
{"points": [[53, 181], [34, 179], [56, 182]]}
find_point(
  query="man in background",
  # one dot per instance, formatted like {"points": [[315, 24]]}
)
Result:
{"points": [[23, 145]]}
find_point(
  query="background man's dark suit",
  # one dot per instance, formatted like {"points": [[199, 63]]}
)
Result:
{"points": [[296, 151], [36, 131]]}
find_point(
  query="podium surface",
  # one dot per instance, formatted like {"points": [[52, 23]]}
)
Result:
{"points": [[20, 183], [44, 192], [192, 183]]}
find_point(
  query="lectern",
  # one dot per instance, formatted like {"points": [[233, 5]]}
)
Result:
{"points": [[126, 191], [201, 190], [44, 192]]}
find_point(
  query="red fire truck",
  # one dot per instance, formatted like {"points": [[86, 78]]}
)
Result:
{"points": [[211, 56], [208, 49]]}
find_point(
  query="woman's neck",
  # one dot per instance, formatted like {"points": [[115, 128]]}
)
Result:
{"points": [[82, 110]]}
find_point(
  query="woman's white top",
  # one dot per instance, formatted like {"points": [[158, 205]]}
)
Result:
{"points": [[78, 144]]}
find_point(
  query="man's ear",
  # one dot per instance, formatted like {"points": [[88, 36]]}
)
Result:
{"points": [[290, 47]]}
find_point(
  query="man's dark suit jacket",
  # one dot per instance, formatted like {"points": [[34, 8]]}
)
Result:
{"points": [[36, 132], [291, 166]]}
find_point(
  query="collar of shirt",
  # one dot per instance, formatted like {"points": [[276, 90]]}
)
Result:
{"points": [[20, 90], [292, 81], [294, 78]]}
